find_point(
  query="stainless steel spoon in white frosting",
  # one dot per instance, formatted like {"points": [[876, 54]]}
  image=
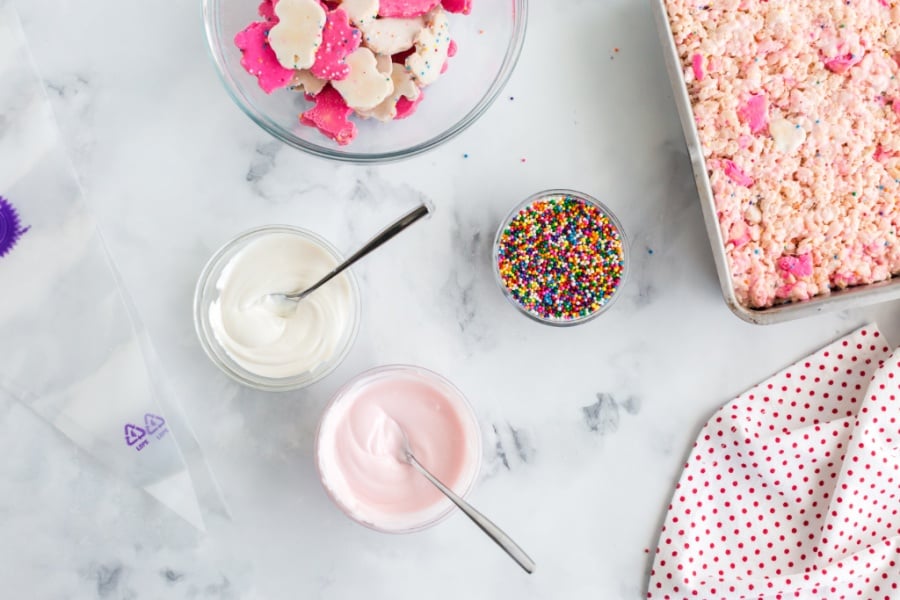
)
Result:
{"points": [[286, 303]]}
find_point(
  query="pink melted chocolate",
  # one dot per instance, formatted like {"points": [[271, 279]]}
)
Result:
{"points": [[360, 448]]}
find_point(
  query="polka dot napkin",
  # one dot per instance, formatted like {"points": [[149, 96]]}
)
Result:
{"points": [[792, 490]]}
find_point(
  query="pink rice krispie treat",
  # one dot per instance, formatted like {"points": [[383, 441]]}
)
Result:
{"points": [[797, 104]]}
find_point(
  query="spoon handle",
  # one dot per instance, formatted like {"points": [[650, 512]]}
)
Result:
{"points": [[385, 235], [486, 525]]}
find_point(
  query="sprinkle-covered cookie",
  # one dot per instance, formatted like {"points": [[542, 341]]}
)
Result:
{"points": [[406, 8], [391, 36], [365, 87], [432, 49], [305, 81], [404, 87], [258, 58], [297, 35], [361, 12], [339, 39], [330, 116]]}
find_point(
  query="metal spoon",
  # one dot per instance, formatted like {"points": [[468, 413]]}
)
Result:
{"points": [[486, 525], [380, 239]]}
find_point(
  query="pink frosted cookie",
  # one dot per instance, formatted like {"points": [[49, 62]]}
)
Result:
{"points": [[842, 64], [405, 8], [258, 58], [400, 57], [798, 266], [737, 175], [697, 66], [451, 52], [457, 6], [267, 11], [406, 107], [755, 113], [330, 116], [339, 39]]}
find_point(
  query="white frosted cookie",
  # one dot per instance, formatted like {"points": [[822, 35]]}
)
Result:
{"points": [[366, 87], [390, 36], [384, 63], [306, 81], [432, 49], [361, 12], [298, 33], [404, 86]]}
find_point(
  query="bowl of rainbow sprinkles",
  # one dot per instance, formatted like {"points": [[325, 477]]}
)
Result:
{"points": [[560, 257]]}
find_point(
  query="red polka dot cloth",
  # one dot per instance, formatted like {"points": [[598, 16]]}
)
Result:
{"points": [[793, 489]]}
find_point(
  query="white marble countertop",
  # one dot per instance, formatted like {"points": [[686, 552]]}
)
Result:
{"points": [[172, 170]]}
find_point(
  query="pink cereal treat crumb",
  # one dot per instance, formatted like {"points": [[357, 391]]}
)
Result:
{"points": [[405, 8], [339, 39], [842, 64], [330, 115], [797, 106], [258, 58], [736, 174], [697, 66]]}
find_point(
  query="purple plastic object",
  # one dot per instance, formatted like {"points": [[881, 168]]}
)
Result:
{"points": [[10, 227]]}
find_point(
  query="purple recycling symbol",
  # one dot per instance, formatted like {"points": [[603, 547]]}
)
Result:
{"points": [[133, 434], [153, 423]]}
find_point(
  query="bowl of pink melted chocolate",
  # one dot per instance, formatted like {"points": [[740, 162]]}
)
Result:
{"points": [[365, 80], [358, 448]]}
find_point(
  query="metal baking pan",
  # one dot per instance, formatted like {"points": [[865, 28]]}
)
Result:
{"points": [[840, 300]]}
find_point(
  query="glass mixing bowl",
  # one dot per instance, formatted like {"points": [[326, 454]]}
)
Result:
{"points": [[489, 42]]}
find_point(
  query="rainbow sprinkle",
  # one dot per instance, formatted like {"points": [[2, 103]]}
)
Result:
{"points": [[561, 258]]}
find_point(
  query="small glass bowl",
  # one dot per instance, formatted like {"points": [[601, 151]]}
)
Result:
{"points": [[557, 322], [489, 44], [443, 508], [206, 293]]}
